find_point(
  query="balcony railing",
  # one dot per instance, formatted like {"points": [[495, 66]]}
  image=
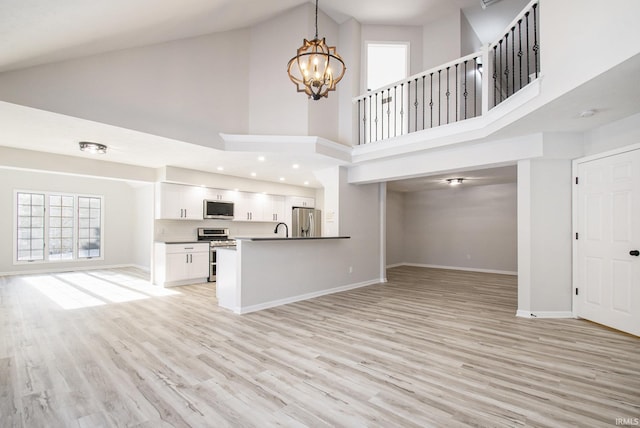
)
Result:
{"points": [[454, 91]]}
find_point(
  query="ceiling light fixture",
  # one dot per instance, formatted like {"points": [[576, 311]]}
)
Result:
{"points": [[310, 70], [261, 158], [455, 181], [88, 146], [295, 166]]}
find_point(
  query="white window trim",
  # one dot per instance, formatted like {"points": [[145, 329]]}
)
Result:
{"points": [[46, 260]]}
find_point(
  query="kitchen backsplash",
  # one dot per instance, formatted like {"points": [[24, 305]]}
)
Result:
{"points": [[185, 230]]}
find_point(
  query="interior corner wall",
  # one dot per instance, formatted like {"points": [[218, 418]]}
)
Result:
{"points": [[350, 48], [441, 41], [462, 227], [469, 40], [188, 89], [395, 228], [580, 40], [273, 44], [143, 224], [614, 135], [119, 213], [360, 218], [323, 113], [544, 236]]}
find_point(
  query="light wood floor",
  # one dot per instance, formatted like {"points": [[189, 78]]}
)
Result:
{"points": [[430, 348]]}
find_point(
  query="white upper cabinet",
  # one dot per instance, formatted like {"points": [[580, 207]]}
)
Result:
{"points": [[179, 202], [258, 207], [300, 201], [220, 195]]}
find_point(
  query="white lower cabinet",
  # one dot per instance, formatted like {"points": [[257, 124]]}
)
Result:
{"points": [[181, 264]]}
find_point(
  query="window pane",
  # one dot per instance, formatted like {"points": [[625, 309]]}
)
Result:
{"points": [[30, 226], [89, 223]]}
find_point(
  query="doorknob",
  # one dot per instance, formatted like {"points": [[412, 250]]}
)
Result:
{"points": [[634, 253]]}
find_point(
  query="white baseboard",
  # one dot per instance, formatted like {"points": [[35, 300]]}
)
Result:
{"points": [[395, 265], [544, 314], [307, 296], [46, 270], [500, 272]]}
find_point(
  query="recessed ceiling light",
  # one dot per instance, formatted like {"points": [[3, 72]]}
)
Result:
{"points": [[253, 174], [296, 166], [90, 147], [261, 158], [281, 178], [455, 181], [306, 183], [220, 168], [587, 113]]}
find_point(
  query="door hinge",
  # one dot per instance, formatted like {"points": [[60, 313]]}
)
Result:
{"points": [[576, 180], [576, 235], [576, 291]]}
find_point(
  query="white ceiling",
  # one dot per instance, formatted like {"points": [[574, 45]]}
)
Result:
{"points": [[34, 32], [41, 31], [482, 177]]}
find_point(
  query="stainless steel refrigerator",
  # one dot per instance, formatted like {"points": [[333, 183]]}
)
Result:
{"points": [[305, 222]]}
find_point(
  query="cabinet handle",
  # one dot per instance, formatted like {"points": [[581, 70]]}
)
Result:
{"points": [[187, 258], [190, 258]]}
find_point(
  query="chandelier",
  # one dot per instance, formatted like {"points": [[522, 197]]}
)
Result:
{"points": [[317, 68]]}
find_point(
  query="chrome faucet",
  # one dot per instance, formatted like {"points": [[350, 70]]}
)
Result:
{"points": [[286, 229]]}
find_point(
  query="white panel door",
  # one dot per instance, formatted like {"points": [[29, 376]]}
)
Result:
{"points": [[608, 283]]}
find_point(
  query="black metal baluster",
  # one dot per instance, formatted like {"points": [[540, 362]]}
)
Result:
{"points": [[526, 15], [376, 121], [402, 109], [395, 110], [409, 107], [513, 60], [475, 87], [388, 112], [424, 105], [535, 37], [506, 64], [416, 104], [431, 101], [448, 94], [359, 133], [457, 92], [465, 94], [382, 114], [520, 51], [495, 74], [370, 120], [439, 97]]}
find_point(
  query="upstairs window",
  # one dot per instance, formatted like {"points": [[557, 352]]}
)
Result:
{"points": [[57, 227], [386, 63]]}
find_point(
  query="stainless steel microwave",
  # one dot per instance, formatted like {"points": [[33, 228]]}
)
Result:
{"points": [[218, 209]]}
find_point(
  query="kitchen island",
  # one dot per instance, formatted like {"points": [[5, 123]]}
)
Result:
{"points": [[263, 272]]}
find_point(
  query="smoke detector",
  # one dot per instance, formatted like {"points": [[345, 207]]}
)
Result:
{"points": [[485, 3]]}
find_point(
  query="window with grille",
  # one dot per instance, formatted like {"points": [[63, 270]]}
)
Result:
{"points": [[57, 227]]}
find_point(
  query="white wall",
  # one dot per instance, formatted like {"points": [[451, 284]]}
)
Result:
{"points": [[472, 227], [189, 89], [441, 41], [395, 239], [545, 237], [614, 135], [469, 40], [579, 40], [143, 225], [119, 217]]}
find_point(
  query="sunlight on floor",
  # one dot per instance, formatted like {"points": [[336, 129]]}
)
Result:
{"points": [[74, 290]]}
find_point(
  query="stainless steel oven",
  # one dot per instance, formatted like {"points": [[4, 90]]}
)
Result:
{"points": [[217, 237]]}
